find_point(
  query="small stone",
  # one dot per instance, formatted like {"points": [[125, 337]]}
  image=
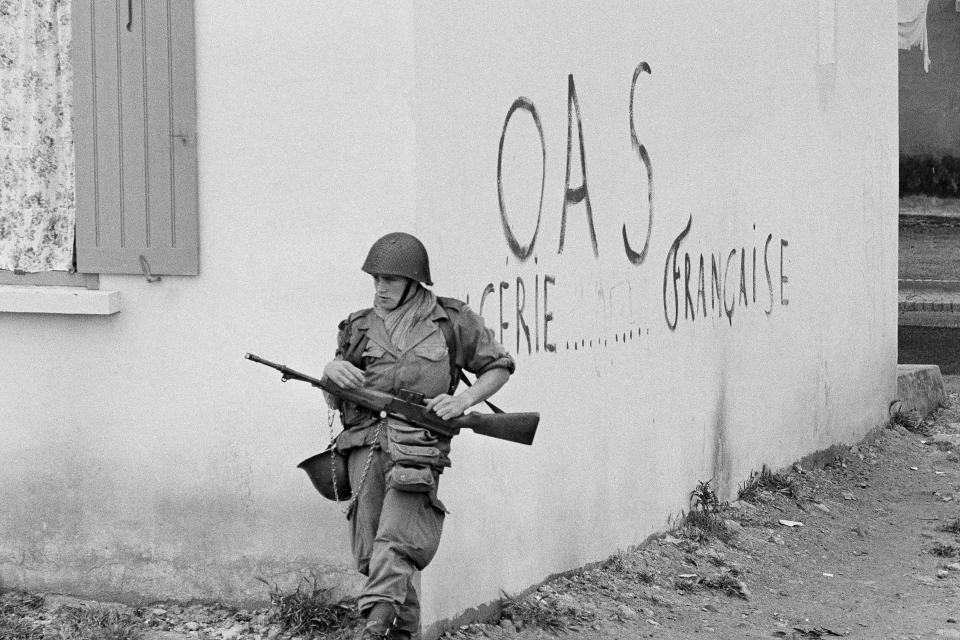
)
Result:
{"points": [[158, 612], [777, 539], [954, 566], [712, 608], [192, 626], [822, 507], [942, 573], [952, 620], [948, 633], [626, 612], [733, 526], [234, 632]]}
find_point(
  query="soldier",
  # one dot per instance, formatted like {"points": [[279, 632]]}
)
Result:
{"points": [[410, 339]]}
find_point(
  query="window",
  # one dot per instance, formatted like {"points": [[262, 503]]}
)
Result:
{"points": [[133, 189]]}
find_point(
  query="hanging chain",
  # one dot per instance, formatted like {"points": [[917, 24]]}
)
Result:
{"points": [[331, 414]]}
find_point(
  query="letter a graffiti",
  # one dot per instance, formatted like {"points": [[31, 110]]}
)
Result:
{"points": [[579, 194]]}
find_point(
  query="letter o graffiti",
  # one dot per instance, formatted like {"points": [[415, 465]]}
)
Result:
{"points": [[521, 251]]}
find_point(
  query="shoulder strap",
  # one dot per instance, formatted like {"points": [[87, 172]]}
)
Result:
{"points": [[353, 351], [456, 373]]}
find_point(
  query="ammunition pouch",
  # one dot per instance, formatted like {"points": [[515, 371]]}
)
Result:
{"points": [[412, 479], [413, 447]]}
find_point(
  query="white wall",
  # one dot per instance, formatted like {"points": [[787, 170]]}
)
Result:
{"points": [[142, 456]]}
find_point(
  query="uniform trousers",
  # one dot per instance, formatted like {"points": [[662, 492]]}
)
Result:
{"points": [[394, 534]]}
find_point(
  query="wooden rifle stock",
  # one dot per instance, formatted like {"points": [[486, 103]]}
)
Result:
{"points": [[514, 427]]}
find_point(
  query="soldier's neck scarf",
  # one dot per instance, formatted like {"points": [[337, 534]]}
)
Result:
{"points": [[419, 304]]}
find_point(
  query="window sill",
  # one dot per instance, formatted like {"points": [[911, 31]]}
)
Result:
{"points": [[59, 300]]}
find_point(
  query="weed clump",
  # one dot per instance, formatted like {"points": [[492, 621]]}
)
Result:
{"points": [[766, 480], [944, 549], [953, 527], [725, 583], [538, 613], [310, 610], [910, 420], [703, 521]]}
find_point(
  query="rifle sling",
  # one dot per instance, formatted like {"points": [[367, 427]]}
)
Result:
{"points": [[456, 373]]}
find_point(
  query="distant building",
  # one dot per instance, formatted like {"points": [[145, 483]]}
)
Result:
{"points": [[930, 100]]}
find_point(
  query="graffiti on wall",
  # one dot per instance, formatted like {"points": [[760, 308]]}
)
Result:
{"points": [[713, 285]]}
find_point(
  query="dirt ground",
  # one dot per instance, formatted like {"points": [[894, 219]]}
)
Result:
{"points": [[866, 547], [875, 557]]}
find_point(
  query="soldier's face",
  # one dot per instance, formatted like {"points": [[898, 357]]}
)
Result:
{"points": [[389, 290]]}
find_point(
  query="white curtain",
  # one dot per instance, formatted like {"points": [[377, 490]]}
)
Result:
{"points": [[912, 23], [36, 140]]}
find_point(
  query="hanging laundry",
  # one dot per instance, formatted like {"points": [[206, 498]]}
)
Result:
{"points": [[912, 27]]}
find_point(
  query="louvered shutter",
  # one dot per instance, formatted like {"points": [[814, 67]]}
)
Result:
{"points": [[135, 136]]}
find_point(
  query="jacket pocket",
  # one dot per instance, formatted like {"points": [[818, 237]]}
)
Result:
{"points": [[432, 352], [371, 352]]}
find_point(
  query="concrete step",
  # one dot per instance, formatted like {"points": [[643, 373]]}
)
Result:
{"points": [[920, 388]]}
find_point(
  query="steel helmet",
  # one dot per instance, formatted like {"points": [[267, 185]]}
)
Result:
{"points": [[328, 473], [399, 254]]}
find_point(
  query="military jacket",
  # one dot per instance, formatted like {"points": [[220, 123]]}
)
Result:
{"points": [[423, 367]]}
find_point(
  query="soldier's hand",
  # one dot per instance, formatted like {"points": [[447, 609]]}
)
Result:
{"points": [[447, 406], [343, 374]]}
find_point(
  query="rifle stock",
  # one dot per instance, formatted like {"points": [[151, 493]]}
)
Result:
{"points": [[514, 427]]}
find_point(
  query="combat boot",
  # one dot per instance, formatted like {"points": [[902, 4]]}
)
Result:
{"points": [[379, 622]]}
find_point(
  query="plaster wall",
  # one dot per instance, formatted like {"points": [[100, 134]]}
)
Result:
{"points": [[930, 101], [142, 457]]}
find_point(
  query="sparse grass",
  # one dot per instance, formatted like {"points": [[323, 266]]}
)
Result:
{"points": [[702, 526], [646, 577], [624, 562], [21, 618], [944, 549], [96, 623], [17, 610], [728, 584], [538, 613], [953, 527], [766, 480], [619, 563], [722, 582], [910, 420], [309, 610]]}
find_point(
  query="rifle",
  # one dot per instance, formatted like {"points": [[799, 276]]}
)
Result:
{"points": [[409, 406]]}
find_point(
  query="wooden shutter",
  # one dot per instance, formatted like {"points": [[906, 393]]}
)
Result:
{"points": [[134, 123]]}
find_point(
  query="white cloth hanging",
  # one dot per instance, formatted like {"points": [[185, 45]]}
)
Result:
{"points": [[912, 27]]}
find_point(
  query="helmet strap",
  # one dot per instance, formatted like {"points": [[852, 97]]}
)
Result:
{"points": [[406, 292]]}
